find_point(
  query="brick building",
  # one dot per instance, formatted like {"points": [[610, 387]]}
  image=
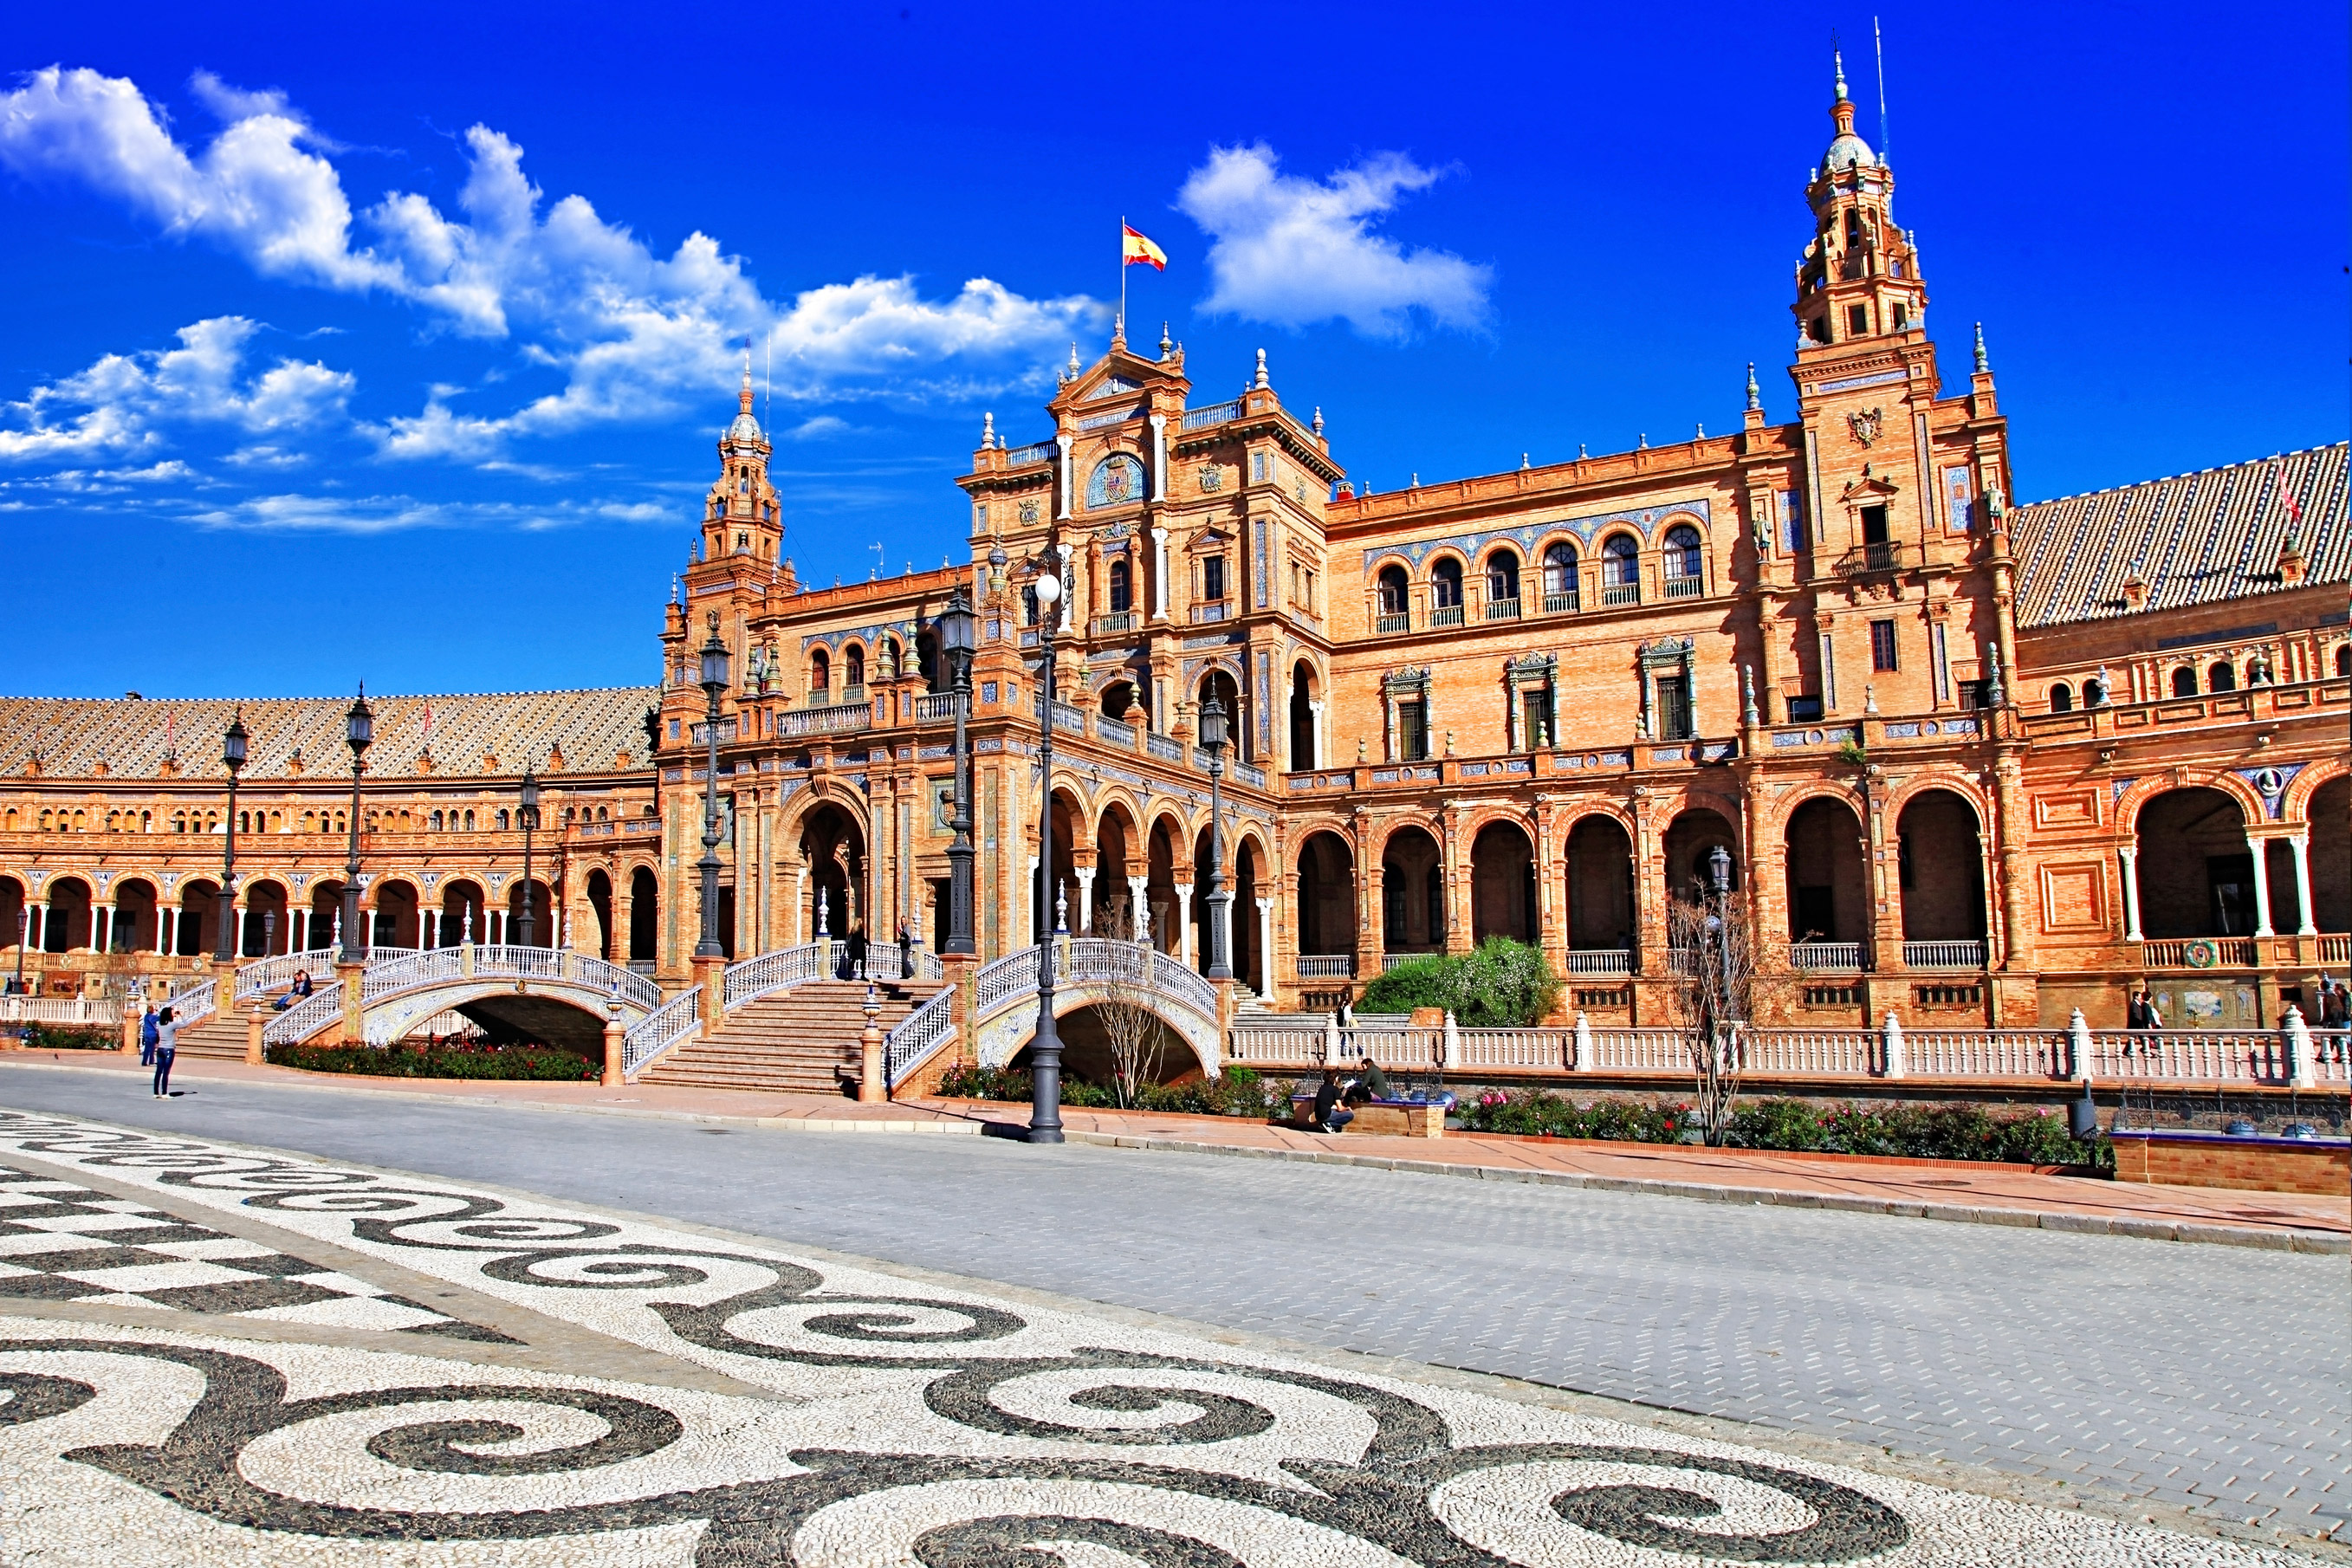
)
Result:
{"points": [[1973, 759]]}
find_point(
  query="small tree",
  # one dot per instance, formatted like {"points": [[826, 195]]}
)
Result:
{"points": [[1137, 1038], [1714, 964]]}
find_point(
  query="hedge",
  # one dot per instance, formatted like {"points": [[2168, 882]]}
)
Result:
{"points": [[1237, 1091], [1499, 985], [537, 1063], [1916, 1132], [39, 1037]]}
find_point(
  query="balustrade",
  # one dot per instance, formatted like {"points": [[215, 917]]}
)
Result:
{"points": [[1599, 961], [1944, 954], [306, 1018], [918, 1037], [2198, 953], [264, 975], [937, 707], [1114, 731], [63, 1011], [665, 1028], [828, 720], [1327, 965], [1833, 956]]}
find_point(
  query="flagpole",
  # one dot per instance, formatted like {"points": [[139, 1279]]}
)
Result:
{"points": [[1122, 275]]}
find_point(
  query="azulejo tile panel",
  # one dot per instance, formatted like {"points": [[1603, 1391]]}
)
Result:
{"points": [[899, 1425]]}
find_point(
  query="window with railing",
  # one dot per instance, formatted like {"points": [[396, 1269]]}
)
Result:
{"points": [[1445, 593], [1413, 732], [1620, 570], [1685, 563], [1394, 598], [1673, 708], [1503, 584], [1560, 580], [1122, 588]]}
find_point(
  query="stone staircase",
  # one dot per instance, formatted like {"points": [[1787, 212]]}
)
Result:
{"points": [[797, 1042], [220, 1037]]}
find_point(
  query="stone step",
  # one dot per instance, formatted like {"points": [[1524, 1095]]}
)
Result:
{"points": [[218, 1036], [802, 1040]]}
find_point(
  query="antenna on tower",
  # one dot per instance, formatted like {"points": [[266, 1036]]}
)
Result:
{"points": [[1878, 47], [767, 411]]}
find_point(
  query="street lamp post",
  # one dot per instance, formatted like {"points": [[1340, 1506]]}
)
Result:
{"points": [[225, 948], [714, 681], [16, 986], [359, 732], [1045, 1051], [955, 626], [1219, 902], [530, 816]]}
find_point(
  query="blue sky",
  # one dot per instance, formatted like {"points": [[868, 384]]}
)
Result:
{"points": [[390, 341]]}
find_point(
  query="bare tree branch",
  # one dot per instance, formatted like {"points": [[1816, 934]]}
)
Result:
{"points": [[1137, 1038], [1713, 962]]}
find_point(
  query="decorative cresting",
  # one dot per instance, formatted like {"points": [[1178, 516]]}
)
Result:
{"points": [[989, 1434], [1090, 970]]}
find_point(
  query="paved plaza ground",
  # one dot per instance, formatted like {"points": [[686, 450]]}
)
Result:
{"points": [[514, 1333]]}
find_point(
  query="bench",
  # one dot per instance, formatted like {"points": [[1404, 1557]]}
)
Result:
{"points": [[1423, 1118]]}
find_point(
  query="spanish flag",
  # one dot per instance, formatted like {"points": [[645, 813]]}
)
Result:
{"points": [[1134, 248]]}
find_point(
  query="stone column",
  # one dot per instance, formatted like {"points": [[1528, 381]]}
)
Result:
{"points": [[1159, 600], [253, 1023], [2261, 886], [1185, 923], [1159, 456], [1138, 906], [101, 929], [617, 1037], [2300, 844], [1085, 875], [2129, 854], [1460, 894], [1265, 946]]}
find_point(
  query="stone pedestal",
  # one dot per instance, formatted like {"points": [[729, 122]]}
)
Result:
{"points": [[617, 1035], [253, 1022]]}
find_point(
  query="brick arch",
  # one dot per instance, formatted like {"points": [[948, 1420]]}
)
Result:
{"points": [[1393, 558], [2135, 800], [2295, 807], [1777, 828], [1453, 553], [1520, 817], [1429, 823], [1614, 812], [820, 793], [1675, 519], [1953, 782], [1298, 830]]}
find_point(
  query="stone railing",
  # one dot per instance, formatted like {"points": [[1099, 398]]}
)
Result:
{"points": [[839, 719], [1985, 1053], [935, 707], [1214, 413], [306, 1018], [2216, 1056], [1167, 748], [264, 975], [1296, 1041], [66, 1011], [1095, 961], [1835, 957], [1598, 961], [432, 966], [1327, 965], [1069, 718], [195, 1002], [773, 972], [1116, 732], [664, 1029], [1014, 974], [1943, 955], [917, 1038], [2198, 953], [392, 970], [1035, 452], [2336, 948]]}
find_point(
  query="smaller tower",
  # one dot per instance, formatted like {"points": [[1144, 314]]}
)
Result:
{"points": [[1860, 277], [741, 515]]}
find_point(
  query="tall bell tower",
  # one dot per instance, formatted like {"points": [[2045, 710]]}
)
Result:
{"points": [[741, 515], [1859, 279]]}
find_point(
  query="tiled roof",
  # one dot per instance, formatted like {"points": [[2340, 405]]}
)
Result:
{"points": [[2194, 539], [133, 737]]}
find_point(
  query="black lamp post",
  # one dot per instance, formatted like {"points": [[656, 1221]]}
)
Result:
{"points": [[1045, 1051], [23, 914], [714, 681], [359, 734], [529, 816], [1219, 902], [955, 627], [232, 758]]}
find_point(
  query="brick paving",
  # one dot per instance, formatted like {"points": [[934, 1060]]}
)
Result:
{"points": [[2198, 1376]]}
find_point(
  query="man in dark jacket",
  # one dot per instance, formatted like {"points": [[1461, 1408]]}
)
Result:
{"points": [[1330, 1117], [1371, 1083]]}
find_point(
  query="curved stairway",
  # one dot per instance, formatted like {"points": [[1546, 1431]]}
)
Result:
{"points": [[801, 1041]]}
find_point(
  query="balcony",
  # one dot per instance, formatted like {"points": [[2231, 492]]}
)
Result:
{"points": [[1326, 966], [1561, 604], [2198, 953], [1114, 731], [1502, 610], [1685, 587], [1943, 955], [935, 707], [1116, 621], [1387, 624], [1167, 748], [1599, 961], [1833, 957], [1883, 555], [1446, 616], [1071, 718], [835, 719], [1615, 594]]}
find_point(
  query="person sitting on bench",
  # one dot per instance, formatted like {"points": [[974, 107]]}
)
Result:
{"points": [[1330, 1115], [295, 992], [1370, 1084]]}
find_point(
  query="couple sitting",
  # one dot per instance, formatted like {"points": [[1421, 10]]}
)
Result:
{"points": [[1333, 1096], [294, 992]]}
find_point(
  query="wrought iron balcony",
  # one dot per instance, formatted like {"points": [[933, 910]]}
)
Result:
{"points": [[1884, 555]]}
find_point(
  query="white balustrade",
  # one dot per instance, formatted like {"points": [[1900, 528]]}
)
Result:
{"points": [[773, 972], [664, 1029], [1806, 1053], [1834, 956], [67, 1010], [1326, 966], [2198, 953], [1599, 961], [918, 1037], [1640, 1051], [1291, 1043], [1014, 974], [435, 966], [830, 720], [1985, 1053], [1535, 1050], [265, 975], [1944, 954], [197, 1002], [2207, 1056], [1394, 1045], [306, 1018]]}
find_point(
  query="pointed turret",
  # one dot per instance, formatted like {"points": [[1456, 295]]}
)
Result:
{"points": [[741, 513]]}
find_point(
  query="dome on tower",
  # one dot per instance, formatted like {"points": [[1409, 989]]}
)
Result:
{"points": [[1848, 152], [745, 428]]}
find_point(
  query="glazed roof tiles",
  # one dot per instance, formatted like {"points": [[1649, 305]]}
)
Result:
{"points": [[2194, 539], [593, 729]]}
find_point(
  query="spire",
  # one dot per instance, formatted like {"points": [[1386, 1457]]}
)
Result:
{"points": [[988, 431], [1984, 367], [1319, 419], [743, 398], [1260, 368], [1837, 58], [1074, 362], [1166, 342], [1755, 398]]}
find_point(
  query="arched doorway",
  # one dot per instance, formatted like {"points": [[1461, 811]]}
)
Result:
{"points": [[1117, 696], [1413, 893], [2330, 818], [1599, 886], [2197, 874], [1115, 863], [600, 904], [1939, 861], [395, 915], [1160, 889], [1689, 846], [1249, 878], [1829, 895], [12, 909], [199, 909], [462, 910], [1217, 683], [67, 926], [266, 930], [1058, 902], [832, 847], [645, 916], [134, 917], [1503, 879], [1327, 898], [326, 914], [1302, 718], [542, 914]]}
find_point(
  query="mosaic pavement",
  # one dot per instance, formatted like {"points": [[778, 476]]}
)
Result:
{"points": [[786, 1410]]}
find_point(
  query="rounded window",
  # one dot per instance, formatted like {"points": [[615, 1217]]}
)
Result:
{"points": [[1622, 561], [2062, 698], [1683, 552]]}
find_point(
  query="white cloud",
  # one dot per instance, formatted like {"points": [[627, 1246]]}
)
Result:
{"points": [[638, 336], [296, 513], [1291, 251], [113, 408]]}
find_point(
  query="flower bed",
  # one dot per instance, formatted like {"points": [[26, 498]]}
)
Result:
{"points": [[1237, 1091], [534, 1062], [1799, 1126], [39, 1037]]}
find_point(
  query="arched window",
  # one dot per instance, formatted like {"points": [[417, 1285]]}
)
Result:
{"points": [[853, 667], [1395, 597], [1122, 588], [469, 822], [2062, 698], [1559, 582], [503, 819], [1620, 570], [1503, 581], [2095, 693], [2222, 676], [1445, 593], [2184, 682], [820, 674], [1029, 605], [2343, 659], [1684, 554]]}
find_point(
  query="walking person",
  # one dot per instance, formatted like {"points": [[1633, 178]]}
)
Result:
{"points": [[167, 1046], [147, 1029], [2144, 1014]]}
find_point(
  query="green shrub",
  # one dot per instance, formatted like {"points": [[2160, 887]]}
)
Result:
{"points": [[1915, 1131], [1499, 985], [1239, 1091], [40, 1037], [1779, 1124], [533, 1063]]}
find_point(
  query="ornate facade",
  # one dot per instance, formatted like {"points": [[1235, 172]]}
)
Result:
{"points": [[1973, 759]]}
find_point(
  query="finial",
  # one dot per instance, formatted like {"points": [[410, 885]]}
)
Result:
{"points": [[1167, 345], [1416, 478], [1119, 330], [1702, 431], [1643, 443], [1062, 912], [987, 430], [1839, 56], [1983, 366], [1870, 699], [1260, 368], [1755, 398], [1523, 464], [1319, 419], [1580, 451], [1074, 362], [1748, 689]]}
